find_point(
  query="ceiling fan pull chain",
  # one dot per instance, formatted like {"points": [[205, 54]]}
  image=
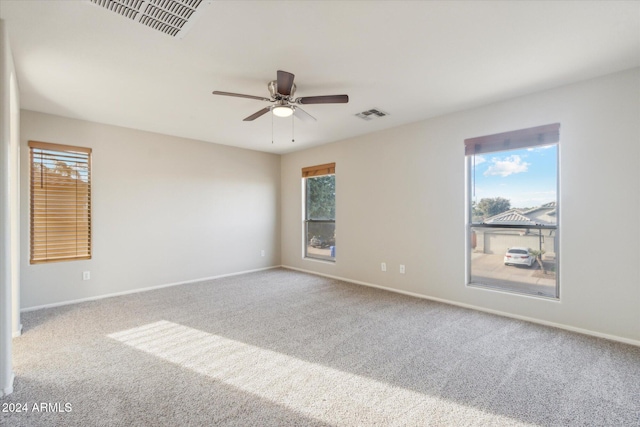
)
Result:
{"points": [[272, 126], [292, 130]]}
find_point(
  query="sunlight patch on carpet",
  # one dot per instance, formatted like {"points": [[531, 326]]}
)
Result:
{"points": [[317, 391]]}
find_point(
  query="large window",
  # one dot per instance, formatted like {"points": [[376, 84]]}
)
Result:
{"points": [[60, 201], [513, 211], [320, 211]]}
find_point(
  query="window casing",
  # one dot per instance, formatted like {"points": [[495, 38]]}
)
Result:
{"points": [[60, 202], [520, 163], [319, 212]]}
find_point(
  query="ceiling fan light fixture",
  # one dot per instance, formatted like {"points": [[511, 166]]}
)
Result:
{"points": [[282, 110]]}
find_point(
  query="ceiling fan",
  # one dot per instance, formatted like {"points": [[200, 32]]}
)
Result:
{"points": [[284, 104]]}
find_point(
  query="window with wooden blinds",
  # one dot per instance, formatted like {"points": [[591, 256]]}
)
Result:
{"points": [[60, 199]]}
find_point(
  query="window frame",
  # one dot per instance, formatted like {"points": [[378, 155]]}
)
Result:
{"points": [[315, 172], [40, 253], [500, 143]]}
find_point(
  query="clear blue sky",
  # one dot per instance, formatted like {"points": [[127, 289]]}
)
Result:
{"points": [[527, 177]]}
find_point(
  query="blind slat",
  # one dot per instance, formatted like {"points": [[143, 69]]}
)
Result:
{"points": [[523, 138], [59, 147], [56, 259], [62, 249], [319, 170]]}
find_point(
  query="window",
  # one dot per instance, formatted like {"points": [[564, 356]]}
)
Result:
{"points": [[320, 212], [60, 200], [513, 211]]}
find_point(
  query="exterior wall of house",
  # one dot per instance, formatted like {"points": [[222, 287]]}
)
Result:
{"points": [[164, 210], [497, 241], [400, 199]]}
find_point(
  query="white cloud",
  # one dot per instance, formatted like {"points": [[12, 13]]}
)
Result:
{"points": [[544, 147], [479, 160], [507, 166]]}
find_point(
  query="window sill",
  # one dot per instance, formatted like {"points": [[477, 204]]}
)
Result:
{"points": [[498, 289], [320, 260]]}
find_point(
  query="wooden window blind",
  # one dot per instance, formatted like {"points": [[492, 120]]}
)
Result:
{"points": [[60, 199], [524, 138], [326, 169]]}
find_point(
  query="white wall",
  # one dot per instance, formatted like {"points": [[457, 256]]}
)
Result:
{"points": [[400, 198], [165, 210], [14, 196], [9, 198]]}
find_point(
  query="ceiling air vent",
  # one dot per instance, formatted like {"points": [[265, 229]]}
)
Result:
{"points": [[374, 113], [172, 17]]}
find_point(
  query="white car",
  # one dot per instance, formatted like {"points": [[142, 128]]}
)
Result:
{"points": [[519, 256]]}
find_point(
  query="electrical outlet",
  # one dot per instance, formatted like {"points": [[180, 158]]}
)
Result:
{"points": [[86, 275], [401, 268], [262, 252], [383, 266]]}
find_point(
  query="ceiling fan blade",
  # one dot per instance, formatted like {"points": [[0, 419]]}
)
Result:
{"points": [[285, 82], [303, 115], [258, 114], [239, 95], [327, 99]]}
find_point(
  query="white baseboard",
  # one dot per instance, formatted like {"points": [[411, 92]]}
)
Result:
{"points": [[135, 291], [18, 332], [473, 307], [9, 389]]}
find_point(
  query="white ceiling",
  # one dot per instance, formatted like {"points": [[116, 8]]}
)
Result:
{"points": [[412, 59]]}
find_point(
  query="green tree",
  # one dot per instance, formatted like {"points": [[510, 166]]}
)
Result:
{"points": [[493, 206], [321, 205], [321, 197]]}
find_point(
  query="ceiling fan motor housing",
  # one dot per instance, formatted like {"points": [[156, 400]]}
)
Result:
{"points": [[273, 90]]}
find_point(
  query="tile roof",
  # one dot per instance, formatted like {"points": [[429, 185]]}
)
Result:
{"points": [[550, 205], [534, 216], [512, 216]]}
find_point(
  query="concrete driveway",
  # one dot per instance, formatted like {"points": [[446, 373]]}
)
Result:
{"points": [[321, 253], [489, 269]]}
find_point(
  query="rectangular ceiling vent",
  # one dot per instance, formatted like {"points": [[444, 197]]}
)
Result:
{"points": [[172, 17], [371, 114]]}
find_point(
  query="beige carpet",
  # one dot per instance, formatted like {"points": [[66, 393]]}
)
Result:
{"points": [[284, 348]]}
